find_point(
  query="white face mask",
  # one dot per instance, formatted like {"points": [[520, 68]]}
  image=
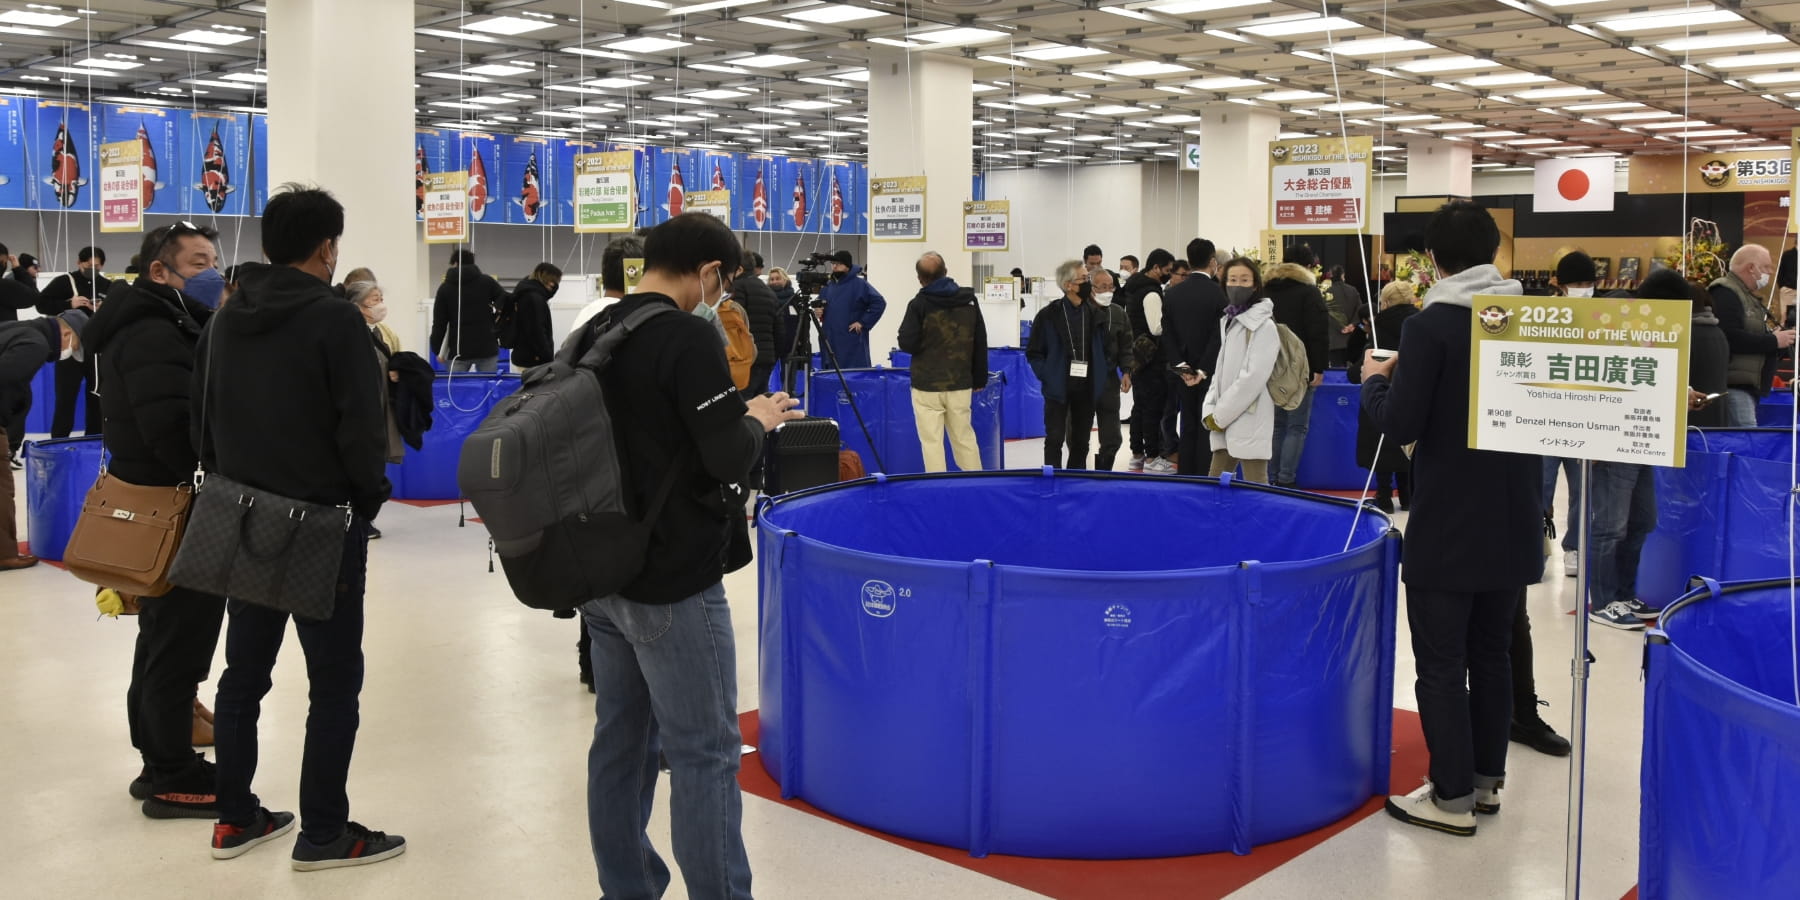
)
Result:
{"points": [[1581, 291], [1762, 281], [376, 313], [67, 353], [1104, 298]]}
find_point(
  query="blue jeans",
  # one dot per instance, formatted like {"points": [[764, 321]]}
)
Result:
{"points": [[1572, 468], [665, 678], [1290, 440], [1624, 498], [1740, 407]]}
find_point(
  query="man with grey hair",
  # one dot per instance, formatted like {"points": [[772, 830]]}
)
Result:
{"points": [[1074, 357], [944, 332], [1750, 330]]}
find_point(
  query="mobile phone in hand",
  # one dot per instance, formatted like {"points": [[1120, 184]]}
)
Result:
{"points": [[1183, 369]]}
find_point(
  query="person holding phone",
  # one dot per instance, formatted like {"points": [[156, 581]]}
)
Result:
{"points": [[81, 289], [1238, 411]]}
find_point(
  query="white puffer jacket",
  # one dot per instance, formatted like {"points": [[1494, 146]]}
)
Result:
{"points": [[1238, 399]]}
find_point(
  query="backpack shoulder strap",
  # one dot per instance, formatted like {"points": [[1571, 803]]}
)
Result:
{"points": [[612, 335]]}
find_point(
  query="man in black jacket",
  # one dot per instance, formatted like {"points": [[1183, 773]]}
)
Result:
{"points": [[462, 317], [25, 348], [762, 311], [18, 289], [1191, 313], [1474, 541], [144, 338], [944, 332], [1299, 306], [81, 289], [533, 340], [287, 398], [663, 651], [1141, 298]]}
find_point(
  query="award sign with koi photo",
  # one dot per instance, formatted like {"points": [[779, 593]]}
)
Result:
{"points": [[447, 208], [1582, 378]]}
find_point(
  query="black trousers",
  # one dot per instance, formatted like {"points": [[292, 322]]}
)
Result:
{"points": [[74, 379], [1524, 680], [1196, 449], [1461, 643], [1150, 394], [1107, 415], [1070, 422], [334, 673], [177, 634], [759, 379], [1171, 414]]}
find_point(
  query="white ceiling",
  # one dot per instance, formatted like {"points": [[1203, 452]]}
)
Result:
{"points": [[1058, 81]]}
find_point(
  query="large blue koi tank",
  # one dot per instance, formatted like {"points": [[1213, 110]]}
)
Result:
{"points": [[1077, 665]]}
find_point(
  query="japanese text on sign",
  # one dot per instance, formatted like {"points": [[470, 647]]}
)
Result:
{"points": [[605, 192], [897, 209], [985, 224], [446, 208]]}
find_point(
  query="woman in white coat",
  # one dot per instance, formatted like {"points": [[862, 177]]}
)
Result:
{"points": [[1238, 409]]}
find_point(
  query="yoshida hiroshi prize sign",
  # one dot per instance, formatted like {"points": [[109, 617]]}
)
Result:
{"points": [[1320, 184], [1582, 378]]}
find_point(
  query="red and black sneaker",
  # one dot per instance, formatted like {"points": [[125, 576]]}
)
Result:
{"points": [[357, 846], [232, 841], [189, 795]]}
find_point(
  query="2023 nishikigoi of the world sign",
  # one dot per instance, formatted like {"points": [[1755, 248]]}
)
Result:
{"points": [[1582, 378]]}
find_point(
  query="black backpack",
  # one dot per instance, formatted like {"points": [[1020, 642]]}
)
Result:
{"points": [[506, 320], [544, 473]]}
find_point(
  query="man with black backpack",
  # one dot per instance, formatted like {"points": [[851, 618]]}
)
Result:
{"points": [[1141, 298], [664, 642]]}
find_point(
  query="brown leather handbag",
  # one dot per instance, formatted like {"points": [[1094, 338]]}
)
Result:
{"points": [[127, 534]]}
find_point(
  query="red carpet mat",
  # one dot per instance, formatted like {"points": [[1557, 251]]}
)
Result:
{"points": [[1188, 877]]}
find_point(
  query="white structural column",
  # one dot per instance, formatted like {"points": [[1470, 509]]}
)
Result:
{"points": [[1234, 173], [341, 118], [919, 124], [1439, 168]]}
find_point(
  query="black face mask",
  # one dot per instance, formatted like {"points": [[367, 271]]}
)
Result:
{"points": [[1241, 295], [1087, 292]]}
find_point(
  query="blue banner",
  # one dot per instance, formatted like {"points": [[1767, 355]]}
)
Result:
{"points": [[161, 134], [526, 159], [59, 152], [798, 195], [259, 161], [840, 214], [214, 173], [562, 177], [478, 154], [431, 153], [753, 201], [672, 174], [14, 192]]}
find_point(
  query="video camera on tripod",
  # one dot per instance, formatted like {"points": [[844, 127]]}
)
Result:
{"points": [[810, 279]]}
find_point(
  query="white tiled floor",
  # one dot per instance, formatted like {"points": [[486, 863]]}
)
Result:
{"points": [[474, 738]]}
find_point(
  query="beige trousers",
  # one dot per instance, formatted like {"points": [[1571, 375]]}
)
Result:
{"points": [[937, 412], [1254, 469]]}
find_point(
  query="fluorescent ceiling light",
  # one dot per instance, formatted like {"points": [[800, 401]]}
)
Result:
{"points": [[1409, 117], [1599, 107], [1752, 61], [833, 13], [671, 98], [509, 25], [709, 7], [119, 65], [1447, 64], [1178, 119], [1727, 132], [1224, 83], [1093, 138], [455, 76], [955, 37], [589, 51], [1634, 116], [102, 73], [1310, 25], [1531, 142], [626, 82], [1352, 106], [1377, 46], [1506, 79], [208, 36], [760, 126], [1145, 68], [498, 69], [1004, 61], [1113, 110], [1490, 135], [646, 44], [1291, 96], [1556, 93], [773, 23], [1660, 126], [1043, 99], [456, 104], [169, 45], [808, 104], [769, 60], [252, 77], [858, 75], [1182, 7], [1033, 130], [714, 67], [41, 19], [1060, 52], [1775, 78], [1723, 41], [1452, 126], [1673, 19], [890, 42]]}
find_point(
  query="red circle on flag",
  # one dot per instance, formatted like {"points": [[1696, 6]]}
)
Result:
{"points": [[1573, 185]]}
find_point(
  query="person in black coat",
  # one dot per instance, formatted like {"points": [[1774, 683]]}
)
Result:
{"points": [[1191, 313], [18, 287], [1474, 540], [144, 338], [1387, 459], [81, 289], [533, 340], [25, 348], [1299, 306], [762, 312], [462, 317]]}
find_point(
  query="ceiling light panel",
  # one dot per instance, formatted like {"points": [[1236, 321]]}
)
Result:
{"points": [[1183, 7], [1145, 68], [769, 61], [1666, 20], [833, 13], [1447, 64], [646, 45], [956, 37], [1224, 83], [1377, 47], [1310, 25], [1060, 52], [498, 69], [1723, 41], [509, 25], [216, 38]]}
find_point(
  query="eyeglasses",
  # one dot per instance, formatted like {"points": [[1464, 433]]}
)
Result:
{"points": [[182, 228]]}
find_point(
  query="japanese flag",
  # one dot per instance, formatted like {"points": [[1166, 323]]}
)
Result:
{"points": [[1573, 185]]}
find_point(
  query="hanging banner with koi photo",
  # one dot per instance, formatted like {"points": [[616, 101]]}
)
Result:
{"points": [[718, 174], [897, 208], [431, 154], [14, 191], [477, 155], [838, 184], [673, 174], [59, 149], [1320, 184], [1580, 378], [757, 176], [797, 196], [526, 159], [122, 186], [985, 225], [160, 134], [560, 198], [215, 174], [447, 208], [605, 193], [259, 164]]}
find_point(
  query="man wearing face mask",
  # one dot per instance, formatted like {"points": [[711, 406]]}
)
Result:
{"points": [[1191, 314], [25, 348], [1141, 298], [1119, 344], [1741, 303], [852, 307], [81, 289], [533, 343], [144, 339], [663, 651]]}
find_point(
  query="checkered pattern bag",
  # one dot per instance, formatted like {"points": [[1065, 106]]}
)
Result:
{"points": [[252, 545]]}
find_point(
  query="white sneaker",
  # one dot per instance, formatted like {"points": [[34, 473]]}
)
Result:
{"points": [[1159, 466], [1487, 800], [1418, 808], [1572, 563], [1137, 464]]}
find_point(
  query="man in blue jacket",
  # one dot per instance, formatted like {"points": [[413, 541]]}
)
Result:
{"points": [[1474, 541], [852, 307], [1075, 354]]}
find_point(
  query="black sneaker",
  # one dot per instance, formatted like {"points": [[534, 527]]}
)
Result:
{"points": [[1530, 729], [191, 795], [231, 841], [140, 786], [357, 846]]}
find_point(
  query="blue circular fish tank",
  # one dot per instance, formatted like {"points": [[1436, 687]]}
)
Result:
{"points": [[1721, 769], [1077, 665]]}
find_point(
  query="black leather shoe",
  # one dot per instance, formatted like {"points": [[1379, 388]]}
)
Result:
{"points": [[1535, 733]]}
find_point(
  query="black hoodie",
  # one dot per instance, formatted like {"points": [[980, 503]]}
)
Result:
{"points": [[533, 341], [25, 348], [464, 313], [59, 295], [287, 396], [16, 295], [143, 342]]}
